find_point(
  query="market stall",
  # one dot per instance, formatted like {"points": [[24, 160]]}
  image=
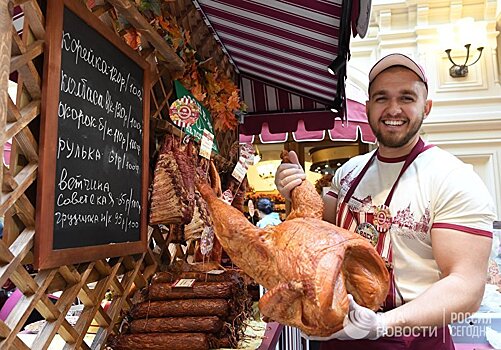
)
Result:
{"points": [[113, 110], [145, 54]]}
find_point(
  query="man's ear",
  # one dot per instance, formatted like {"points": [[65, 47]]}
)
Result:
{"points": [[427, 107]]}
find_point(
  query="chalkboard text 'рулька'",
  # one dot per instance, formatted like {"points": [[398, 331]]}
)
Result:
{"points": [[99, 151]]}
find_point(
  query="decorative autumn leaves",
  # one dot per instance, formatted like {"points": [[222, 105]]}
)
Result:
{"points": [[206, 82]]}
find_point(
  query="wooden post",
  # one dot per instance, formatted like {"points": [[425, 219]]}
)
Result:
{"points": [[5, 44]]}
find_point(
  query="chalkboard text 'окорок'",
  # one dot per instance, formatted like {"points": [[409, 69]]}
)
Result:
{"points": [[99, 143]]}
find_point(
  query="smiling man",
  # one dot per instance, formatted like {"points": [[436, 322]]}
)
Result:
{"points": [[427, 214], [397, 103]]}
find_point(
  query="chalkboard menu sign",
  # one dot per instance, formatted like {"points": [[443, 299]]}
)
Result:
{"points": [[91, 200]]}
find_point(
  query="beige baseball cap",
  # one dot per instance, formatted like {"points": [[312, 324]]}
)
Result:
{"points": [[397, 59]]}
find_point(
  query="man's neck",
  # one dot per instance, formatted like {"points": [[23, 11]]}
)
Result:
{"points": [[396, 152]]}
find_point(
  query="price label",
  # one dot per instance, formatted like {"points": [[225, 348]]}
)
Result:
{"points": [[247, 153], [239, 171], [206, 144], [227, 196], [207, 240], [184, 282]]}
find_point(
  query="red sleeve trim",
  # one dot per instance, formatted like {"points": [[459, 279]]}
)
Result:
{"points": [[331, 193], [463, 229]]}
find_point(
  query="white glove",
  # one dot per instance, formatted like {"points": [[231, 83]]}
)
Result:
{"points": [[289, 175], [359, 323]]}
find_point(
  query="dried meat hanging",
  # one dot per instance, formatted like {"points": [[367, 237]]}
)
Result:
{"points": [[173, 197], [201, 219]]}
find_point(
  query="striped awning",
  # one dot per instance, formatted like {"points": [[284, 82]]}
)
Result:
{"points": [[277, 128], [281, 50], [286, 43]]}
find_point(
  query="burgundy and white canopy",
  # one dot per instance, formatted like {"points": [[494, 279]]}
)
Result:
{"points": [[289, 43], [281, 50]]}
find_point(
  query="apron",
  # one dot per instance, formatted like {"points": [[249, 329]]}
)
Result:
{"points": [[375, 226]]}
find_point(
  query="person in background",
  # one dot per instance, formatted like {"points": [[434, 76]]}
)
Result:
{"points": [[266, 214], [427, 214]]}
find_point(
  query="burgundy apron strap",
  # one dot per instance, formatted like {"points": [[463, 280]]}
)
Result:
{"points": [[359, 177], [415, 152], [344, 217]]}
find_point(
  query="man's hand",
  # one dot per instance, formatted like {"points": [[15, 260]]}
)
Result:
{"points": [[289, 175], [359, 323]]}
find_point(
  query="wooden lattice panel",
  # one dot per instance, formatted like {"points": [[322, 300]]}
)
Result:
{"points": [[21, 58]]}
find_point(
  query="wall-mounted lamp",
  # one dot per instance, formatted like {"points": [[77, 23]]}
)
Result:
{"points": [[461, 70], [337, 105], [337, 64], [338, 68]]}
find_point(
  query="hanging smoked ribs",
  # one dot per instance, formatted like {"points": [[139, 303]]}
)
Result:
{"points": [[173, 197]]}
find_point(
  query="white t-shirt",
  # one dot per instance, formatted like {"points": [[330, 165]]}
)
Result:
{"points": [[436, 191]]}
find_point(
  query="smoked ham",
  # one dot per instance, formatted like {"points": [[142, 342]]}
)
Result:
{"points": [[308, 265], [215, 180]]}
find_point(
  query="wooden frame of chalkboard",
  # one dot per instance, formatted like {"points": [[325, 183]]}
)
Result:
{"points": [[93, 175]]}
